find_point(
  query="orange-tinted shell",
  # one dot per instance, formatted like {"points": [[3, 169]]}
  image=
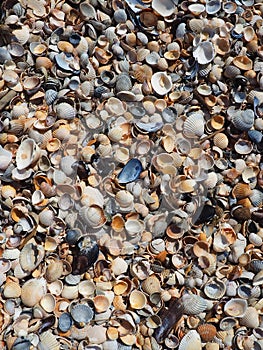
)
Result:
{"points": [[207, 332]]}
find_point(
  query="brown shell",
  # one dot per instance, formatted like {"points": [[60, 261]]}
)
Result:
{"points": [[207, 331], [241, 191]]}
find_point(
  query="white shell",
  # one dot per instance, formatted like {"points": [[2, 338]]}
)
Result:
{"points": [[28, 153], [236, 307], [191, 341], [194, 125], [5, 158], [165, 7], [161, 83], [204, 52]]}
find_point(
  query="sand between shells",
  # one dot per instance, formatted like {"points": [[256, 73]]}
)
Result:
{"points": [[131, 175]]}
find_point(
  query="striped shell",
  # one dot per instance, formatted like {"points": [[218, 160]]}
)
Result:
{"points": [[50, 96], [194, 125], [193, 304], [221, 140], [231, 71], [191, 341], [65, 111], [250, 318], [243, 120]]}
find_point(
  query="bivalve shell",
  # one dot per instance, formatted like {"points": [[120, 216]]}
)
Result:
{"points": [[250, 318], [191, 341], [82, 313], [65, 111], [137, 300], [32, 291], [207, 331], [236, 307], [161, 83], [193, 304]]}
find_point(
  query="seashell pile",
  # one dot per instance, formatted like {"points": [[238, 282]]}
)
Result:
{"points": [[131, 175]]}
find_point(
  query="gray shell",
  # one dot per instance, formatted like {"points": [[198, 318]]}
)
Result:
{"points": [[243, 120], [50, 96], [193, 304], [82, 313], [123, 83]]}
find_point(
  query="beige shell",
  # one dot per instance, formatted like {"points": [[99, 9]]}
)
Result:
{"points": [[101, 303], [27, 154], [151, 285], [11, 289], [119, 266], [49, 341], [33, 290], [194, 125], [54, 270], [93, 216], [191, 341], [236, 307], [243, 62], [124, 199], [31, 256], [137, 299], [250, 318], [86, 288], [221, 140], [48, 303]]}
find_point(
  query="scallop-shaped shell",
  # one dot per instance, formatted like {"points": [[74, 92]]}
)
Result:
{"points": [[196, 25], [137, 299], [204, 52], [151, 285], [101, 303], [256, 197], [32, 291], [82, 313], [161, 83], [256, 265], [231, 71], [65, 322], [241, 191], [191, 341], [193, 304], [93, 216], [50, 96], [243, 120], [28, 153], [123, 83], [48, 341], [243, 146], [130, 172], [22, 35], [212, 6], [221, 140], [243, 62], [165, 8], [54, 270], [236, 307], [207, 331], [31, 256], [255, 136], [250, 318], [194, 125], [215, 289], [65, 111]]}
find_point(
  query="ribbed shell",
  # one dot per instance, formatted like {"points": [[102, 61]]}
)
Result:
{"points": [[256, 265], [50, 96], [251, 318], [65, 111], [123, 83], [207, 332], [221, 140], [231, 71], [82, 313], [194, 125], [193, 304], [191, 341], [244, 120], [256, 197]]}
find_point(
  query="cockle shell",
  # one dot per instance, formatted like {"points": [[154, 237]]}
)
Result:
{"points": [[31, 256], [49, 341], [82, 313], [165, 8], [93, 216], [236, 307], [101, 303], [194, 125], [5, 158], [137, 299], [243, 120], [212, 6], [250, 318], [207, 331], [151, 285], [193, 304], [215, 289], [191, 341], [65, 111], [33, 290], [161, 83]]}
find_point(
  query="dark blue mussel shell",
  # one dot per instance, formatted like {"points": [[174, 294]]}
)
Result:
{"points": [[130, 172]]}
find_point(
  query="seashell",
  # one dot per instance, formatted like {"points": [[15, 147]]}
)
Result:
{"points": [[31, 256], [193, 304], [190, 341], [65, 111], [69, 292], [27, 154], [215, 289], [231, 71], [50, 96], [46, 217], [243, 146], [165, 8], [243, 120], [48, 303], [65, 322], [258, 280], [72, 280], [11, 289], [243, 62], [48, 340], [101, 303], [130, 172], [43, 62], [22, 35], [32, 291], [151, 285], [82, 313], [196, 25], [207, 331], [250, 318], [196, 9], [256, 265], [194, 125], [137, 300], [123, 83], [255, 239], [5, 158], [54, 270], [161, 83], [241, 191], [21, 344], [236, 307], [120, 16], [119, 266], [221, 140], [212, 6], [93, 216], [204, 52]]}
